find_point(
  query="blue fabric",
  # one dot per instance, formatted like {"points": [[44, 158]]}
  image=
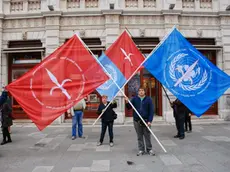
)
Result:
{"points": [[77, 120], [109, 88], [144, 107], [185, 72]]}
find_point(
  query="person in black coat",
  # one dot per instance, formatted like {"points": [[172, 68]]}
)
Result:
{"points": [[107, 119], [179, 112], [6, 119]]}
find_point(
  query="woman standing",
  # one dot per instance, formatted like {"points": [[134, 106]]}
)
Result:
{"points": [[107, 119], [6, 120]]}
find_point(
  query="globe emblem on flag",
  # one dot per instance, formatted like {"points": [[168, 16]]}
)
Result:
{"points": [[54, 83], [112, 72], [185, 74]]}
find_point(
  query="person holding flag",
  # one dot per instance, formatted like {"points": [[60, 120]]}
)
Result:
{"points": [[107, 119], [179, 112], [144, 106]]}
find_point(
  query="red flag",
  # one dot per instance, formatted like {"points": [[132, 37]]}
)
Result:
{"points": [[58, 82], [125, 55]]}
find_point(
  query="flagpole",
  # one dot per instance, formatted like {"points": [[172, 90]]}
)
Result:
{"points": [[133, 72], [146, 57], [127, 82]]}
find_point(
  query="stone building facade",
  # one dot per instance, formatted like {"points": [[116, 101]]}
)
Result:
{"points": [[32, 29]]}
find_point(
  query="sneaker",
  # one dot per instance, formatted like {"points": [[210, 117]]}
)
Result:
{"points": [[111, 144], [151, 153], [73, 137], [99, 144], [189, 131], [176, 136], [182, 137], [82, 137], [140, 153]]}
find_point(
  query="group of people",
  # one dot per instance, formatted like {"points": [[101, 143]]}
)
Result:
{"points": [[182, 117], [143, 105]]}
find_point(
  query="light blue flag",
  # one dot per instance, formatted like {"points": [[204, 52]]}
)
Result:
{"points": [[185, 72], [109, 88]]}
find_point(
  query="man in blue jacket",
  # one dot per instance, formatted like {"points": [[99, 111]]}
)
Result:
{"points": [[144, 106]]}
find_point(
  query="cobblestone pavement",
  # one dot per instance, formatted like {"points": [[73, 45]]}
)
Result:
{"points": [[206, 149]]}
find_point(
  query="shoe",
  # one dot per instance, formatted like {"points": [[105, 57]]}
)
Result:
{"points": [[176, 136], [9, 141], [99, 144], [111, 144], [189, 131], [140, 153], [182, 137], [3, 142], [73, 137], [82, 137], [151, 153]]}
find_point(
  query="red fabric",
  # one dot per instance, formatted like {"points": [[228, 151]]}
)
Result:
{"points": [[72, 63], [117, 56]]}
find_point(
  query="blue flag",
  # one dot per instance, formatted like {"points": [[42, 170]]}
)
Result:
{"points": [[185, 72], [121, 61], [109, 88]]}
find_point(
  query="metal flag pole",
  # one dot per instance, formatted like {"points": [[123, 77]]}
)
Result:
{"points": [[127, 81]]}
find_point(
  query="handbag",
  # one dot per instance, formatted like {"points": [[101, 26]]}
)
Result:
{"points": [[114, 115]]}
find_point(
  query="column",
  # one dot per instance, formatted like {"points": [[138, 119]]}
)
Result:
{"points": [[112, 31], [52, 27], [224, 107]]}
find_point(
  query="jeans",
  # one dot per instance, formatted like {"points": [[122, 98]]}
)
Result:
{"points": [[143, 133], [103, 130], [77, 120]]}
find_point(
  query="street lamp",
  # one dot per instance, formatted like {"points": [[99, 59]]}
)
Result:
{"points": [[228, 8], [171, 6], [51, 7]]}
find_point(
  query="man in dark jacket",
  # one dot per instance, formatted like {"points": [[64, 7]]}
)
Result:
{"points": [[107, 119], [179, 112], [144, 106]]}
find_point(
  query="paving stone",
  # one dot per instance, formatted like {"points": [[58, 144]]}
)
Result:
{"points": [[76, 147], [170, 160], [100, 165], [168, 143], [43, 169], [80, 169], [103, 148], [217, 138]]}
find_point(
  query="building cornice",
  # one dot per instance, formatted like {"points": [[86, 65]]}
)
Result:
{"points": [[199, 14], [1, 16], [114, 12], [23, 16], [52, 13], [82, 13], [141, 12]]}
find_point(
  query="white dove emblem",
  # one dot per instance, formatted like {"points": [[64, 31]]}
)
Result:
{"points": [[127, 57], [188, 74]]}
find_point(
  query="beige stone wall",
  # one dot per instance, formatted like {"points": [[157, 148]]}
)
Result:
{"points": [[94, 19]]}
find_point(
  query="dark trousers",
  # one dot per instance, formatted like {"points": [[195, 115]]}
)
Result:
{"points": [[6, 134], [103, 130], [180, 120], [188, 123], [143, 133]]}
